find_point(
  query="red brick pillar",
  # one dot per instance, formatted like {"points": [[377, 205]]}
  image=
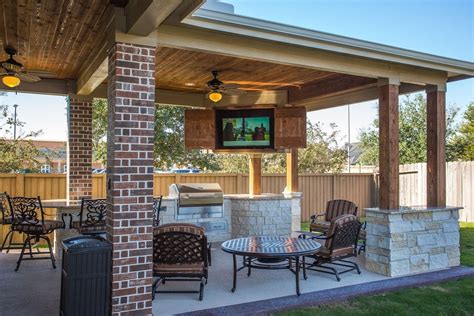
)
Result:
{"points": [[79, 167], [131, 95]]}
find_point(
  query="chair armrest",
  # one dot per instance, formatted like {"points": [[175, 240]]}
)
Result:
{"points": [[315, 216]]}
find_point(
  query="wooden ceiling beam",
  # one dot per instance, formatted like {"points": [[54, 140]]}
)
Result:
{"points": [[354, 96], [144, 16], [333, 85]]}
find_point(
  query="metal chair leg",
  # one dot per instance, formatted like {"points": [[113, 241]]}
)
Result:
{"points": [[10, 232], [53, 260], [27, 240], [10, 241]]}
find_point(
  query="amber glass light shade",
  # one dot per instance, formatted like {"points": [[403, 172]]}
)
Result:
{"points": [[11, 81], [215, 96]]}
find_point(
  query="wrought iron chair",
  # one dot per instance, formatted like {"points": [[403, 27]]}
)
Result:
{"points": [[7, 220], [157, 210], [180, 253], [28, 218], [334, 209], [340, 243], [91, 217]]}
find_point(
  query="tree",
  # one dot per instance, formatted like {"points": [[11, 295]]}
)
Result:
{"points": [[20, 153], [463, 142], [412, 127], [99, 130]]}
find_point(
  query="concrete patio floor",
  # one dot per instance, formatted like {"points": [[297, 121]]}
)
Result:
{"points": [[35, 288]]}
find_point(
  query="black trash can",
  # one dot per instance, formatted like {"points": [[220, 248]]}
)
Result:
{"points": [[85, 280]]}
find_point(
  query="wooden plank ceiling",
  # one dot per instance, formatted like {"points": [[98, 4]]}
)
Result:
{"points": [[190, 71], [54, 36]]}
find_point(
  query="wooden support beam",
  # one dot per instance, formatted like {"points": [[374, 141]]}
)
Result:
{"points": [[436, 146], [388, 146], [292, 171], [255, 174], [144, 16]]}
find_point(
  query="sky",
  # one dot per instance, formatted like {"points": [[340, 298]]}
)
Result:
{"points": [[439, 27]]}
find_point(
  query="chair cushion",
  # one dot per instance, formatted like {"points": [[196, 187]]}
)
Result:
{"points": [[6, 220], [35, 229], [336, 208], [85, 229], [319, 226], [178, 268]]}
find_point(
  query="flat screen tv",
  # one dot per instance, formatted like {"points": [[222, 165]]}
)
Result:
{"points": [[244, 129]]}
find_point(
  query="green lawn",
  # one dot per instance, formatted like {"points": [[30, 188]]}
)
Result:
{"points": [[447, 298]]}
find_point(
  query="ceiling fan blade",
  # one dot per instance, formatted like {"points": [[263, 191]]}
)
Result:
{"points": [[230, 86], [28, 77], [233, 92], [260, 83]]}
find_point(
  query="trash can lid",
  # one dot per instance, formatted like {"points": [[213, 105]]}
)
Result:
{"points": [[81, 243]]}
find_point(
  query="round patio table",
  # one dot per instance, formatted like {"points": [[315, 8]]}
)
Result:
{"points": [[265, 252]]}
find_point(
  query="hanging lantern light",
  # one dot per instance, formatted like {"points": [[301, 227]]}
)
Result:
{"points": [[215, 96], [11, 81]]}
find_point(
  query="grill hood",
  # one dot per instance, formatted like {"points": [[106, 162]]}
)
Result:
{"points": [[197, 194]]}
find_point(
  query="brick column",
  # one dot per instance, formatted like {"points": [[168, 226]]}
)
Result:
{"points": [[79, 163], [131, 95]]}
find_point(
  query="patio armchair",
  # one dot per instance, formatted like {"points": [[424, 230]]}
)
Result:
{"points": [[180, 253], [28, 217], [334, 209], [340, 243], [91, 217], [7, 220], [157, 210]]}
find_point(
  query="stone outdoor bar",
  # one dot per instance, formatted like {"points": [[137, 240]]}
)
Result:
{"points": [[412, 239]]}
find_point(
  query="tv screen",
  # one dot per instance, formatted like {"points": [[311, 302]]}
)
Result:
{"points": [[245, 129]]}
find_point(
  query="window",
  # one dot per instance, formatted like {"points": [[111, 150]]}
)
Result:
{"points": [[45, 169]]}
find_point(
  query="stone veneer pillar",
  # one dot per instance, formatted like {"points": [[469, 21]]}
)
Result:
{"points": [[131, 95], [412, 240], [79, 161]]}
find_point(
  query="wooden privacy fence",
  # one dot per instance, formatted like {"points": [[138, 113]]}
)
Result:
{"points": [[317, 188], [459, 184]]}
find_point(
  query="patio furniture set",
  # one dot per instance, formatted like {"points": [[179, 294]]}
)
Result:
{"points": [[181, 251]]}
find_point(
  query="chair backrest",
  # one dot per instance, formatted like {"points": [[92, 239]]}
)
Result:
{"points": [[156, 210], [179, 244], [93, 212], [24, 210], [337, 208], [4, 207], [343, 234]]}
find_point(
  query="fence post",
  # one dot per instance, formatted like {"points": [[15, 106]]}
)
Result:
{"points": [[20, 184]]}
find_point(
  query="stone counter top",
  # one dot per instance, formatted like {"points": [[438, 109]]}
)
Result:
{"points": [[413, 209], [264, 196]]}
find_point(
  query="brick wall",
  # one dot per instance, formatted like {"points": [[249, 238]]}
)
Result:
{"points": [[131, 95], [79, 148]]}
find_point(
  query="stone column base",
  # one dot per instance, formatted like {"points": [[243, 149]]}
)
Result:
{"points": [[412, 240]]}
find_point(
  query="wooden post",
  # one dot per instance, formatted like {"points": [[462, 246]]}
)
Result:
{"points": [[388, 144], [436, 145], [255, 174], [292, 170]]}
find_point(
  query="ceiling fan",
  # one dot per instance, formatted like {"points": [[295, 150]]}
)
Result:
{"points": [[218, 88], [12, 71]]}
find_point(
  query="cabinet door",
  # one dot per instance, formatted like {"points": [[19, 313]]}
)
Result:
{"points": [[199, 129], [290, 127]]}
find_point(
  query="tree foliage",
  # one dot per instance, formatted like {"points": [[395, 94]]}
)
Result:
{"points": [[99, 130], [463, 142], [412, 129], [20, 153]]}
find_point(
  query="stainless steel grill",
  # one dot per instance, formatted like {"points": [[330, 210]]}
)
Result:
{"points": [[198, 200]]}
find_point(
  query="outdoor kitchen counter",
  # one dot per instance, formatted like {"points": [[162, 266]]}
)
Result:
{"points": [[264, 215]]}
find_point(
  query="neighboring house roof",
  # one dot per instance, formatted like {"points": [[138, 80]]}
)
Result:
{"points": [[354, 152]]}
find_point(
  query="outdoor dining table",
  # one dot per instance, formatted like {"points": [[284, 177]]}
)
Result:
{"points": [[270, 252], [62, 208]]}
